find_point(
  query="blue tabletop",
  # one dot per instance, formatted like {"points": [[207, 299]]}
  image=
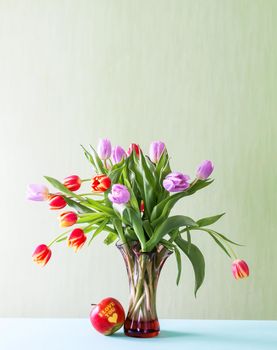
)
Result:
{"points": [[58, 334]]}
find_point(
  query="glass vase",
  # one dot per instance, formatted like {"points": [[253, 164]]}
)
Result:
{"points": [[143, 273]]}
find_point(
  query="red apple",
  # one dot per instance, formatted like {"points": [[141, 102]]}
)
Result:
{"points": [[107, 316]]}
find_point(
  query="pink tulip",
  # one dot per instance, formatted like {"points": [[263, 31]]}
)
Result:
{"points": [[240, 269]]}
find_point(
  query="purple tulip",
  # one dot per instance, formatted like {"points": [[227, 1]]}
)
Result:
{"points": [[176, 182], [119, 194], [204, 170], [104, 149], [37, 192], [117, 154], [156, 150]]}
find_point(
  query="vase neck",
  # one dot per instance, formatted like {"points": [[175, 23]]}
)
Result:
{"points": [[132, 256]]}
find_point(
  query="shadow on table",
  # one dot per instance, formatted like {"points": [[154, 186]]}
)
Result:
{"points": [[164, 334], [173, 334], [233, 340]]}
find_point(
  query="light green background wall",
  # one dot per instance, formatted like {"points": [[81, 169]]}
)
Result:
{"points": [[200, 75]]}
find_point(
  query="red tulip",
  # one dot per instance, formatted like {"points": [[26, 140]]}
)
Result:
{"points": [[141, 207], [73, 182], [56, 201], [240, 269], [76, 239], [68, 218], [42, 254], [133, 147], [100, 183]]}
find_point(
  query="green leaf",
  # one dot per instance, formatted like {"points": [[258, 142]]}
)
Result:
{"points": [[147, 227], [198, 185], [162, 167], [133, 200], [162, 170], [144, 179], [89, 228], [163, 208], [168, 244], [90, 217], [217, 241], [110, 238], [149, 175], [179, 264], [89, 157], [209, 220], [137, 226], [197, 260], [219, 234], [98, 162], [116, 171], [118, 227], [189, 239], [98, 230], [166, 227], [77, 206], [125, 217], [130, 234], [227, 239], [57, 184], [98, 206]]}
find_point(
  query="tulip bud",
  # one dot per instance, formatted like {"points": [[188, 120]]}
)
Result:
{"points": [[119, 194], [56, 201], [118, 154], [141, 207], [73, 182], [204, 170], [240, 269], [133, 147], [68, 218], [100, 183], [104, 149], [42, 254], [76, 239], [176, 182], [156, 150], [37, 192]]}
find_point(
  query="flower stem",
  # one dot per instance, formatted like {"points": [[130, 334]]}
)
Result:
{"points": [[58, 237], [91, 194], [194, 182], [65, 233]]}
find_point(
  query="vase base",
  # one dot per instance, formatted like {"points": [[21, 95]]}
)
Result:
{"points": [[141, 329]]}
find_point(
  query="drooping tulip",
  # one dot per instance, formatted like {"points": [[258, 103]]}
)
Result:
{"points": [[240, 269], [73, 182], [104, 149], [176, 182], [76, 239], [204, 170], [37, 192], [68, 218], [56, 201], [156, 150], [118, 154], [133, 147], [100, 183], [42, 254], [119, 194]]}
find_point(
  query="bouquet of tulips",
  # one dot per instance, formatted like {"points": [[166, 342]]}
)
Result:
{"points": [[130, 198]]}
